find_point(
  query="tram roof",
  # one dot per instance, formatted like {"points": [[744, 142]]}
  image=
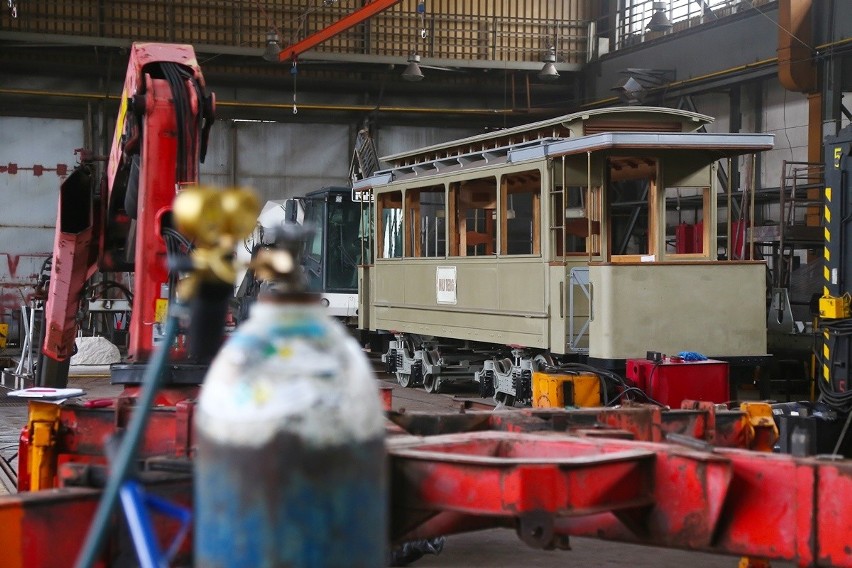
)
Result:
{"points": [[622, 119], [714, 146]]}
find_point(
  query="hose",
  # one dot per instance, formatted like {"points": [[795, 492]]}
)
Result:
{"points": [[128, 446]]}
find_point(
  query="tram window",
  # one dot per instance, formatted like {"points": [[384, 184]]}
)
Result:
{"points": [[633, 224], [425, 219], [520, 212], [473, 212], [573, 218], [389, 229], [686, 233]]}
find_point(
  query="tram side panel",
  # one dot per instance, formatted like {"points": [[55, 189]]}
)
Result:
{"points": [[715, 308], [498, 301]]}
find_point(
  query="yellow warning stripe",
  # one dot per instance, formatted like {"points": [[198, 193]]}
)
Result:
{"points": [[827, 254], [827, 214], [827, 193]]}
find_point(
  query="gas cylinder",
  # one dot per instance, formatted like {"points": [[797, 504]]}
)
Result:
{"points": [[290, 467]]}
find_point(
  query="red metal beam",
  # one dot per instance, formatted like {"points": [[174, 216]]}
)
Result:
{"points": [[364, 13], [47, 528]]}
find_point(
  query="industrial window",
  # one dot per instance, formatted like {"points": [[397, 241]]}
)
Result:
{"points": [[473, 213], [520, 206], [425, 219], [644, 20], [686, 233], [389, 224]]}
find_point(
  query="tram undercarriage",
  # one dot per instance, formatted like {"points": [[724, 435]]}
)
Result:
{"points": [[502, 373]]}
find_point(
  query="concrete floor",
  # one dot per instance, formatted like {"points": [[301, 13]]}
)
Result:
{"points": [[501, 548], [493, 548]]}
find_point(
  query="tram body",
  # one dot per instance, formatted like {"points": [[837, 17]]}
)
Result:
{"points": [[497, 253]]}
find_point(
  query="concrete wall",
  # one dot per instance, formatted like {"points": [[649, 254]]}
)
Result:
{"points": [[277, 160], [281, 160]]}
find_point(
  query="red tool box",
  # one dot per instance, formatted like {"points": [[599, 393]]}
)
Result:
{"points": [[672, 380]]}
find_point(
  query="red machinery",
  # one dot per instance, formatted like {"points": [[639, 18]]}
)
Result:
{"points": [[672, 380], [124, 224], [549, 473]]}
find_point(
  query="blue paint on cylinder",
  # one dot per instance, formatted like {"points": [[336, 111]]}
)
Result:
{"points": [[308, 517]]}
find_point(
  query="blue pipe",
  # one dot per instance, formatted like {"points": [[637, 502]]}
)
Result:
{"points": [[121, 464]]}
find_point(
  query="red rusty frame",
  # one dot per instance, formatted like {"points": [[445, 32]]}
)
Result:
{"points": [[82, 433], [47, 528], [524, 469], [549, 486], [722, 428]]}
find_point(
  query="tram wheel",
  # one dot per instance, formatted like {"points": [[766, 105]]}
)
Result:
{"points": [[430, 383], [404, 379]]}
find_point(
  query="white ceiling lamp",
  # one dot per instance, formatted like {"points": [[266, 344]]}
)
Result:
{"points": [[549, 72], [659, 22]]}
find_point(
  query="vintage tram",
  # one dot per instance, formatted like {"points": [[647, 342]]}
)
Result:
{"points": [[503, 252]]}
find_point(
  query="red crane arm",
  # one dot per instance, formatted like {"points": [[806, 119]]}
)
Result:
{"points": [[160, 137], [364, 13]]}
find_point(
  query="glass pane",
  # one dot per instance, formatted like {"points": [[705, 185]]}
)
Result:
{"points": [[685, 219], [519, 223], [313, 259], [391, 224], [432, 237], [344, 252]]}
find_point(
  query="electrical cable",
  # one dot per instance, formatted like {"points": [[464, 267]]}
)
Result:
{"points": [[175, 75], [102, 287], [177, 246], [841, 401], [120, 466]]}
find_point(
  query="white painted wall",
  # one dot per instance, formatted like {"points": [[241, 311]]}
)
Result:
{"points": [[30, 202]]}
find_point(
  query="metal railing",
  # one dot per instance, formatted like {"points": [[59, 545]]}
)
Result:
{"points": [[394, 32]]}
